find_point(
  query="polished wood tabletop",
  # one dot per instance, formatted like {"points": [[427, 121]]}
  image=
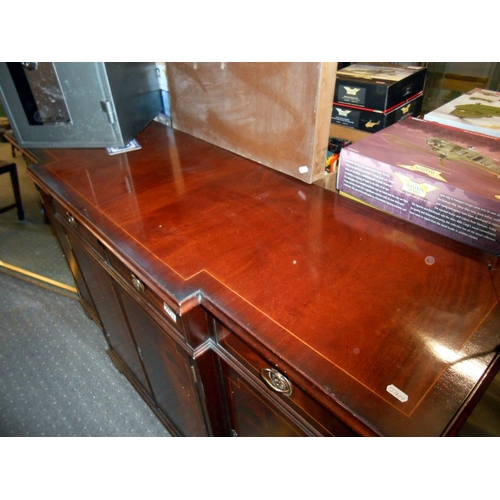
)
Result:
{"points": [[379, 319]]}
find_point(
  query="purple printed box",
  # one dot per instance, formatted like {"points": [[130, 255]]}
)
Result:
{"points": [[442, 178]]}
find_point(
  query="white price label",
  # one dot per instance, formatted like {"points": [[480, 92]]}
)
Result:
{"points": [[170, 312], [397, 393]]}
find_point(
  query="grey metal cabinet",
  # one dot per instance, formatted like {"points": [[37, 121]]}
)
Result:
{"points": [[84, 105]]}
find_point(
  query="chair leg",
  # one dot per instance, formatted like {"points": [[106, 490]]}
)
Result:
{"points": [[17, 192], [11, 168]]}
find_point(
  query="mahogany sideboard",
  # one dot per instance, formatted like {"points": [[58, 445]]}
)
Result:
{"points": [[240, 301]]}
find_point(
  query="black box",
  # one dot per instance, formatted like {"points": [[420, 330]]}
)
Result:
{"points": [[377, 87], [373, 121]]}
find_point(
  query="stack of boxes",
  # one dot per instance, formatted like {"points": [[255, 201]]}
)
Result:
{"points": [[370, 97], [441, 172]]}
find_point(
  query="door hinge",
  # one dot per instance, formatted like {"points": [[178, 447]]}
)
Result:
{"points": [[107, 107]]}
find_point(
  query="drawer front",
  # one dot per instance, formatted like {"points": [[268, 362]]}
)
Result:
{"points": [[281, 385], [69, 220], [251, 414], [134, 282]]}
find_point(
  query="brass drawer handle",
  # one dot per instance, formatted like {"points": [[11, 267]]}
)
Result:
{"points": [[276, 381], [138, 285], [71, 220]]}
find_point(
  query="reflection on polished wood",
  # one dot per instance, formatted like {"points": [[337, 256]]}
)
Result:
{"points": [[390, 327]]}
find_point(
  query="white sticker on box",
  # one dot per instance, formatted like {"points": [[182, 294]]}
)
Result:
{"points": [[304, 169], [397, 393]]}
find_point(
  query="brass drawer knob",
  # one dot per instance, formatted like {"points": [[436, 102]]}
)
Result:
{"points": [[138, 285], [71, 220], [276, 381]]}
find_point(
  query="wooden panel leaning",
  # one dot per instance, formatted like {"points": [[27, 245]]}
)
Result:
{"points": [[277, 114]]}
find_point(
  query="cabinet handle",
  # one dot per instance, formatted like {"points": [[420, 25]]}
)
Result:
{"points": [[138, 285], [276, 381], [71, 220]]}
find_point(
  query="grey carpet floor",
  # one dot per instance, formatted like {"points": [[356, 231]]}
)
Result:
{"points": [[28, 244], [55, 377]]}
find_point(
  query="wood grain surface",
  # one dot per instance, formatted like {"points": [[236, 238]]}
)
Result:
{"points": [[390, 325], [277, 114]]}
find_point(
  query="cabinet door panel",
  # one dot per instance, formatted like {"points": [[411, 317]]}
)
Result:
{"points": [[108, 306], [298, 401], [168, 369], [83, 292], [251, 414]]}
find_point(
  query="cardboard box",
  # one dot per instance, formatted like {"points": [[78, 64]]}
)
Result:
{"points": [[477, 111], [352, 134], [373, 121], [378, 87], [441, 178]]}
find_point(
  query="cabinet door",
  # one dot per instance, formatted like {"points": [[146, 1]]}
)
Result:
{"points": [[169, 370], [265, 399], [251, 413], [83, 292], [109, 309]]}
